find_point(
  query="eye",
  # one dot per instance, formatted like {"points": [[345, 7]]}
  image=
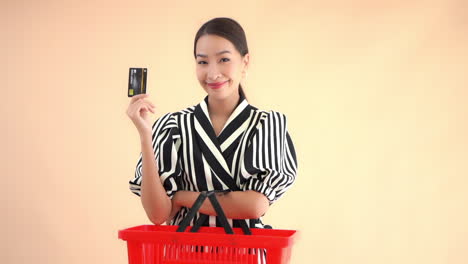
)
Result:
{"points": [[203, 62]]}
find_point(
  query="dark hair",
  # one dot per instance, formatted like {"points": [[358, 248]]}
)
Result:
{"points": [[229, 29]]}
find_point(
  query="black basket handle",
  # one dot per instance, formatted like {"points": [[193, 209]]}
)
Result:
{"points": [[219, 211]]}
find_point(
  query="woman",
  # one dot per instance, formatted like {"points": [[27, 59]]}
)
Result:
{"points": [[222, 143]]}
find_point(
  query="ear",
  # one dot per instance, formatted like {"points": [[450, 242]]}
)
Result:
{"points": [[246, 60]]}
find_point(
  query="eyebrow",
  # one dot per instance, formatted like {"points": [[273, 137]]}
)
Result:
{"points": [[217, 54]]}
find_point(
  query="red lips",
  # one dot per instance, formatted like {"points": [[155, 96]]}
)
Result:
{"points": [[216, 85]]}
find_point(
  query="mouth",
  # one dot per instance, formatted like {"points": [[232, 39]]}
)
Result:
{"points": [[217, 85]]}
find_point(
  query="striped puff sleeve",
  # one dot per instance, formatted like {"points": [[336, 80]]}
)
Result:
{"points": [[166, 142], [270, 163]]}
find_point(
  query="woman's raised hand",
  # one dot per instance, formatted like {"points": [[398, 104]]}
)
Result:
{"points": [[138, 110]]}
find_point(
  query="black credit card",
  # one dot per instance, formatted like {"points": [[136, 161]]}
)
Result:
{"points": [[137, 81]]}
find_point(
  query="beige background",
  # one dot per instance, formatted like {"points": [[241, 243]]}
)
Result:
{"points": [[375, 94]]}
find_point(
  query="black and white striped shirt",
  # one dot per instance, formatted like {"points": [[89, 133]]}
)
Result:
{"points": [[254, 151]]}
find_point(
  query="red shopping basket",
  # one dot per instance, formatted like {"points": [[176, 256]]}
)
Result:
{"points": [[148, 244]]}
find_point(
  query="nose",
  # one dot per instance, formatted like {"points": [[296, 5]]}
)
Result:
{"points": [[213, 72]]}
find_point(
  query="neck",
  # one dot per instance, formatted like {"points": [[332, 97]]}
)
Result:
{"points": [[223, 107]]}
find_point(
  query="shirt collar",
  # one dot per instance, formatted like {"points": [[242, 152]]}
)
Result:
{"points": [[242, 104]]}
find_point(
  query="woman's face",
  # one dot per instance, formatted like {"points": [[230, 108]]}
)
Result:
{"points": [[218, 61]]}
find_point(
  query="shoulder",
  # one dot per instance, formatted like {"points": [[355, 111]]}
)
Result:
{"points": [[271, 117], [171, 119], [164, 121], [186, 111], [182, 113]]}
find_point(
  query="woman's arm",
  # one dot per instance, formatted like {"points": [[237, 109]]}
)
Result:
{"points": [[153, 195], [236, 205]]}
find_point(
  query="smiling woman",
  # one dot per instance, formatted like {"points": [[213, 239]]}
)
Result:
{"points": [[222, 143], [229, 60], [223, 69]]}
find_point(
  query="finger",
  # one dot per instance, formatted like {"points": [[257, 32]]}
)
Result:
{"points": [[137, 97], [147, 101], [135, 108], [138, 103], [143, 106]]}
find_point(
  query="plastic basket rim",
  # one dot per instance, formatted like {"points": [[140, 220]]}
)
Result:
{"points": [[131, 235], [134, 229]]}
